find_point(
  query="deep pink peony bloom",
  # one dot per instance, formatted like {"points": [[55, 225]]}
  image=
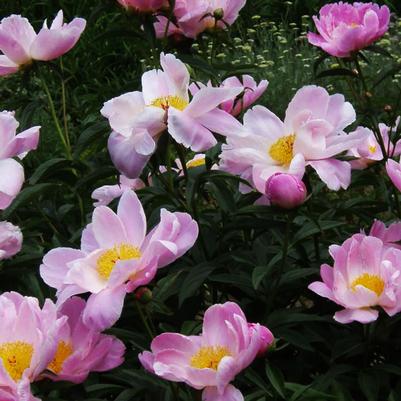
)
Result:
{"points": [[285, 190], [10, 240], [107, 193], [196, 16], [28, 342], [345, 28], [82, 349], [144, 5], [138, 118], [311, 134], [116, 257], [20, 44], [366, 274], [210, 361], [12, 145]]}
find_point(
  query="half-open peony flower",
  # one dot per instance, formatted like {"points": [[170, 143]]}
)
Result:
{"points": [[138, 118], [12, 145], [346, 28], [28, 342], [117, 257], [20, 43], [10, 240], [391, 235], [107, 193], [393, 169], [82, 349], [196, 16], [210, 361], [311, 134], [366, 274], [144, 5]]}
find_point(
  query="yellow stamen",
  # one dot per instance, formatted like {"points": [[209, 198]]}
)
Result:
{"points": [[354, 25], [16, 357], [108, 259], [64, 350], [209, 357], [167, 101], [372, 148], [371, 282], [282, 150], [196, 162]]}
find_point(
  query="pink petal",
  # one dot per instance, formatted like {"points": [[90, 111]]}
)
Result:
{"points": [[11, 180]]}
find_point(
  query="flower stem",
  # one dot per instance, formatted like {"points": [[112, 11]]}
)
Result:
{"points": [[144, 321]]}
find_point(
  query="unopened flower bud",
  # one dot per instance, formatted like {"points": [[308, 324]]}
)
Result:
{"points": [[265, 335], [143, 295], [218, 14]]}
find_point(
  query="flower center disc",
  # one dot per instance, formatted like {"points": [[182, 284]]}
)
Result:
{"points": [[64, 350], [282, 150], [108, 259], [371, 282], [16, 357], [209, 357], [167, 101]]}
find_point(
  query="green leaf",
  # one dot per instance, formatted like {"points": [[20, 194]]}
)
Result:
{"points": [[276, 379]]}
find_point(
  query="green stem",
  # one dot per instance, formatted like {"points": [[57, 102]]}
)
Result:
{"points": [[64, 105], [144, 321]]}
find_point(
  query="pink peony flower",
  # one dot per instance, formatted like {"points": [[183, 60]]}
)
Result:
{"points": [[210, 361], [116, 257], [311, 134], [12, 145], [366, 274], [28, 342], [390, 235], [394, 172], [81, 350], [138, 118], [20, 44], [346, 28], [144, 5], [10, 240], [162, 23], [285, 190], [196, 16], [107, 193]]}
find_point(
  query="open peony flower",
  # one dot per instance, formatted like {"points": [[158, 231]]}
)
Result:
{"points": [[138, 118], [20, 43], [346, 28], [107, 193], [81, 349], [116, 257], [28, 342], [311, 134], [10, 240], [366, 274], [12, 145], [210, 361], [196, 16], [144, 5]]}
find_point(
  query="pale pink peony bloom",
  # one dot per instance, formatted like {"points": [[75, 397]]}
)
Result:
{"points": [[82, 349], [285, 190], [211, 360], [393, 169], [10, 240], [144, 5], [196, 16], [28, 342], [346, 28], [162, 23], [366, 274], [311, 135], [107, 193], [20, 43], [138, 118], [391, 235], [117, 257], [12, 145]]}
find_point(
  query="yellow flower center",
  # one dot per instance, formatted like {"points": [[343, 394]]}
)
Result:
{"points": [[282, 151], [64, 350], [196, 163], [354, 25], [371, 282], [108, 259], [372, 148], [209, 357], [16, 357], [167, 101]]}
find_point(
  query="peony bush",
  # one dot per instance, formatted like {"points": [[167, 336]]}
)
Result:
{"points": [[200, 200]]}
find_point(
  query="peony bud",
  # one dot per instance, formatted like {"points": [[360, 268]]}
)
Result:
{"points": [[143, 295], [10, 240], [285, 190], [267, 338]]}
